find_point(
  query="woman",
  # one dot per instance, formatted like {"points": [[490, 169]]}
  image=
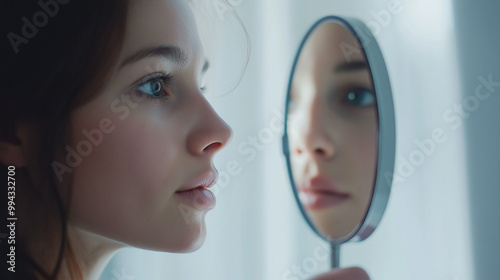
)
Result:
{"points": [[105, 122]]}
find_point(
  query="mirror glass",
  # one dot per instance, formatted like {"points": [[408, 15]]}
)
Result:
{"points": [[332, 130]]}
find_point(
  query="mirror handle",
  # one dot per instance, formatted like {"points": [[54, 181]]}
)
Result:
{"points": [[335, 255]]}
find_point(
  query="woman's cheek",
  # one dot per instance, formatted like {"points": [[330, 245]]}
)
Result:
{"points": [[361, 146], [146, 153], [130, 174]]}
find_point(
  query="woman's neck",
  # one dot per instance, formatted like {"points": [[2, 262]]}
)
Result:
{"points": [[89, 252]]}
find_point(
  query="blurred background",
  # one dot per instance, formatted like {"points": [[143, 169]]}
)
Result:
{"points": [[442, 220]]}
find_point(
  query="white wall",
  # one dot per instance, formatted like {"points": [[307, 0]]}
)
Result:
{"points": [[439, 223], [479, 45]]}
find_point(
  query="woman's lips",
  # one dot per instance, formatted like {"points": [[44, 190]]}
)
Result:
{"points": [[196, 192], [205, 179], [319, 193], [200, 197]]}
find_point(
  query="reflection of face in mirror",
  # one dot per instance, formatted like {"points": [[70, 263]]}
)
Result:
{"points": [[332, 130]]}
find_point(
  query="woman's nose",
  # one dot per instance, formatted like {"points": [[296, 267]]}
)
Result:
{"points": [[315, 133], [210, 133], [320, 145]]}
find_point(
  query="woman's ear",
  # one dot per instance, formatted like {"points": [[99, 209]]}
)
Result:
{"points": [[13, 146]]}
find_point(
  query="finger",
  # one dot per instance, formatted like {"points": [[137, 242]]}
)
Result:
{"points": [[351, 273]]}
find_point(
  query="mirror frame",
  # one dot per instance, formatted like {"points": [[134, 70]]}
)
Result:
{"points": [[386, 134]]}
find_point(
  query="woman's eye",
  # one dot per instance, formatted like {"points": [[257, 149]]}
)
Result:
{"points": [[360, 97], [152, 87], [155, 88]]}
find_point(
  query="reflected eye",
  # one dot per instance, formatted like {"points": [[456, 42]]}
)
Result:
{"points": [[155, 87], [360, 97]]}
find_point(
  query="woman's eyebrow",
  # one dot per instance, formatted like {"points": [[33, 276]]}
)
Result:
{"points": [[351, 66], [170, 52]]}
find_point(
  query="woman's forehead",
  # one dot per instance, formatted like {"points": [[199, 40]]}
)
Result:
{"points": [[326, 45], [152, 23]]}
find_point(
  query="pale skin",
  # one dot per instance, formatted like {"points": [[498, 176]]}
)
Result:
{"points": [[333, 126], [124, 190]]}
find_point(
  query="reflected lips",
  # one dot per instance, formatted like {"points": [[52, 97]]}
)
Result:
{"points": [[319, 193], [196, 192]]}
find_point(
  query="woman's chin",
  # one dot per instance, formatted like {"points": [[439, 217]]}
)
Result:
{"points": [[188, 239], [194, 244]]}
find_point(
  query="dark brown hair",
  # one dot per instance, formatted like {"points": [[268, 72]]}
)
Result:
{"points": [[55, 55]]}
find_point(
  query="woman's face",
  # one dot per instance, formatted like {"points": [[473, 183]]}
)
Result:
{"points": [[333, 129], [149, 136]]}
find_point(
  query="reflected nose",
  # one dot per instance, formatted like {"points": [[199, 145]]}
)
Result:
{"points": [[313, 133], [210, 133], [317, 143], [321, 146]]}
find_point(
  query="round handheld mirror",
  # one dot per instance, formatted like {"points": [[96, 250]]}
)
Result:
{"points": [[339, 138]]}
